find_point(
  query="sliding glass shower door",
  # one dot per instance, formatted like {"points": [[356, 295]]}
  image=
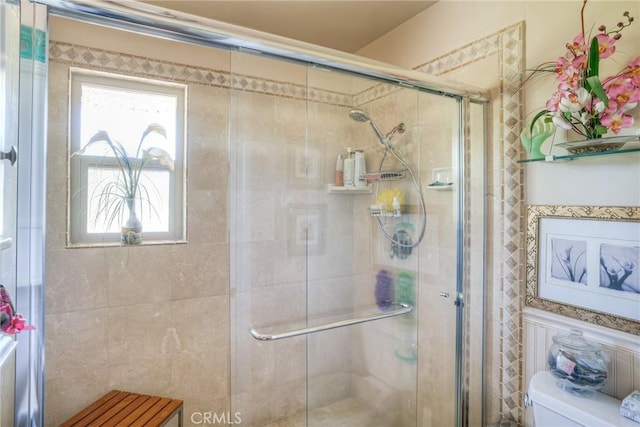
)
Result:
{"points": [[343, 307]]}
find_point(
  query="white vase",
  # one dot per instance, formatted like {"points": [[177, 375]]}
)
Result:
{"points": [[131, 233]]}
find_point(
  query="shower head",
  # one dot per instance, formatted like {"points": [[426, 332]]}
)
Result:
{"points": [[360, 116]]}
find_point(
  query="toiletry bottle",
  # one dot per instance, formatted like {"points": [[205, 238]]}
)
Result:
{"points": [[349, 169], [339, 171], [395, 205], [360, 169]]}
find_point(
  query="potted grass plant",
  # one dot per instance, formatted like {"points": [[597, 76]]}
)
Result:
{"points": [[119, 198]]}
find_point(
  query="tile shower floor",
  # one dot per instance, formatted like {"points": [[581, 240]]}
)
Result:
{"points": [[345, 413]]}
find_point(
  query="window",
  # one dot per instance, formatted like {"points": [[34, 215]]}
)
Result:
{"points": [[124, 107]]}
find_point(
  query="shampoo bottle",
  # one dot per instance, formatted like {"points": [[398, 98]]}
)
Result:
{"points": [[339, 181], [349, 169], [360, 169]]}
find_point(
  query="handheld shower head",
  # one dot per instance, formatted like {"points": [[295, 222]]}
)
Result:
{"points": [[360, 116]]}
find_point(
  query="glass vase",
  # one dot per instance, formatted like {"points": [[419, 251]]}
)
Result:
{"points": [[577, 363]]}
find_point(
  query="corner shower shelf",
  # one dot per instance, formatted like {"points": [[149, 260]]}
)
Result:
{"points": [[441, 186], [349, 190]]}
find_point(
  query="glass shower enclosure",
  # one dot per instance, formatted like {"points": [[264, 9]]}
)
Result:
{"points": [[355, 305]]}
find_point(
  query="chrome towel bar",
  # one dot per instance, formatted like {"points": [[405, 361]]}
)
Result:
{"points": [[403, 309]]}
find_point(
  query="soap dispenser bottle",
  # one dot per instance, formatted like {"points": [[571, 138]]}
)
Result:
{"points": [[395, 206]]}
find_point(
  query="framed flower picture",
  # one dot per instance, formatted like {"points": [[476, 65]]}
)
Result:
{"points": [[584, 262]]}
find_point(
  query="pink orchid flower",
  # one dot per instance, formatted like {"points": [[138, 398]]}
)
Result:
{"points": [[623, 91], [633, 71], [616, 121], [580, 62], [577, 46], [553, 103], [606, 45], [571, 76]]}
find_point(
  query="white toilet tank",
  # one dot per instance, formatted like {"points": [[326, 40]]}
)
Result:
{"points": [[553, 407]]}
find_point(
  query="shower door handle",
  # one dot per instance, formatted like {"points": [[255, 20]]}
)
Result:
{"points": [[403, 309], [11, 155]]}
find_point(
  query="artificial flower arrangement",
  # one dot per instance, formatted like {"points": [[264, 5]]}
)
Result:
{"points": [[585, 103], [127, 189], [11, 322]]}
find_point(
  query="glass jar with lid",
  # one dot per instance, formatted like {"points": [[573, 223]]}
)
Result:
{"points": [[577, 363]]}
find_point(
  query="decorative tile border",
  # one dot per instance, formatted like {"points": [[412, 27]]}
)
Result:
{"points": [[507, 232], [474, 51], [110, 61]]}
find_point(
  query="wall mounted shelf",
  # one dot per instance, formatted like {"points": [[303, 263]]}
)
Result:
{"points": [[567, 157], [441, 186]]}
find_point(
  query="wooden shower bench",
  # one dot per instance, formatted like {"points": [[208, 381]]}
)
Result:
{"points": [[127, 409]]}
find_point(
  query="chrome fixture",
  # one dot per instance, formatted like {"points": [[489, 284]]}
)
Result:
{"points": [[360, 116], [400, 245], [402, 309]]}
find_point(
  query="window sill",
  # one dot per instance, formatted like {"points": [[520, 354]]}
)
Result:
{"points": [[120, 245]]}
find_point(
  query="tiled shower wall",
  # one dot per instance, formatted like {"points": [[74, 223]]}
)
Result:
{"points": [[153, 319]]}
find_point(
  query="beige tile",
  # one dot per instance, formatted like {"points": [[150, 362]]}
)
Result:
{"points": [[57, 180], [140, 274], [207, 216], [76, 341], [202, 327], [252, 116], [292, 399], [202, 272], [66, 395], [142, 332], [77, 279], [255, 215], [152, 376], [259, 264], [207, 114], [208, 165], [201, 383]]}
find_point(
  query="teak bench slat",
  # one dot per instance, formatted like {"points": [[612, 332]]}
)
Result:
{"points": [[121, 408]]}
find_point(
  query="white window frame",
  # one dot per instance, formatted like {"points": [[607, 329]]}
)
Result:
{"points": [[79, 165]]}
